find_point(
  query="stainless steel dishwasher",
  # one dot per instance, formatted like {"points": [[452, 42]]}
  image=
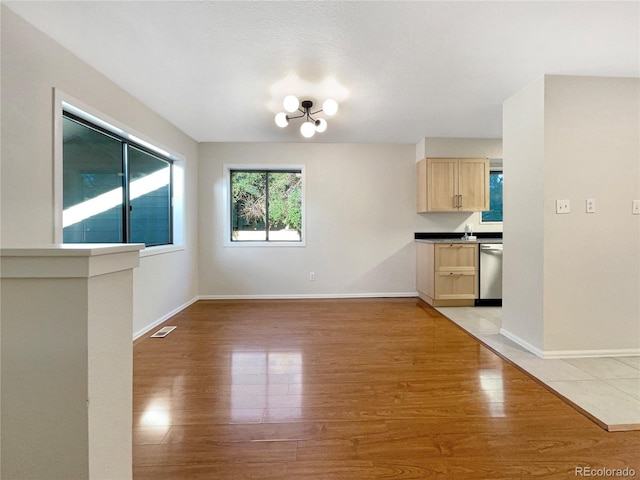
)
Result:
{"points": [[490, 274]]}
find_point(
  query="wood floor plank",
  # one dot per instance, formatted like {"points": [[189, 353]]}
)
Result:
{"points": [[348, 389], [205, 453]]}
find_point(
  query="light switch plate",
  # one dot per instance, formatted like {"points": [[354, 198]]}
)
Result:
{"points": [[591, 205], [636, 207], [563, 206]]}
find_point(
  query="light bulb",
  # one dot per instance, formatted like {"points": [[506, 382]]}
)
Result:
{"points": [[307, 129], [291, 103], [321, 125], [330, 107], [282, 120]]}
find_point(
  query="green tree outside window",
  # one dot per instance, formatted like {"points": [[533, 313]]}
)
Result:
{"points": [[266, 205]]}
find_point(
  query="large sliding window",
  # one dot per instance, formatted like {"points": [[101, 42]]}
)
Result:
{"points": [[266, 205], [114, 190]]}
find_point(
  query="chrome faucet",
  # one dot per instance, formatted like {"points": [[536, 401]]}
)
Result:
{"points": [[468, 231]]}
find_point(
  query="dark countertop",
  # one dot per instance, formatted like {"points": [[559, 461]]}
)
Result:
{"points": [[456, 237], [458, 240]]}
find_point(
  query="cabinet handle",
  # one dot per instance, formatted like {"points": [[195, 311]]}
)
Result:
{"points": [[460, 205]]}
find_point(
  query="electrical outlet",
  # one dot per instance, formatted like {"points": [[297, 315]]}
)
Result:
{"points": [[312, 276], [591, 205], [636, 207], [563, 206]]}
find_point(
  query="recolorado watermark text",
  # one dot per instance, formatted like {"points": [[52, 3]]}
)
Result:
{"points": [[605, 472]]}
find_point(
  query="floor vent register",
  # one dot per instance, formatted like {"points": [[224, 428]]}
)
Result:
{"points": [[163, 332]]}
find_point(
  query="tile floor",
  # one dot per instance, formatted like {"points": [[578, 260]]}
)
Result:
{"points": [[608, 388]]}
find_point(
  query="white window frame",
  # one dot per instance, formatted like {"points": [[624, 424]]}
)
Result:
{"points": [[227, 168], [64, 102]]}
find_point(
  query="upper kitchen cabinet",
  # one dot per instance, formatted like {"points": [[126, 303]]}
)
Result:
{"points": [[453, 185]]}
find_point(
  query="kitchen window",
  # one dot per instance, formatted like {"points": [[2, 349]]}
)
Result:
{"points": [[266, 206], [115, 190], [494, 214]]}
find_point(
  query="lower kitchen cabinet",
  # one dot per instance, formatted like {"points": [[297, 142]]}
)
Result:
{"points": [[447, 273]]}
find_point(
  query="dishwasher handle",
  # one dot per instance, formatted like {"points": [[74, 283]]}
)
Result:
{"points": [[495, 248]]}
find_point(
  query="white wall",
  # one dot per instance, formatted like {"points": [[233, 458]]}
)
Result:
{"points": [[457, 147], [592, 261], [66, 325], [573, 138], [463, 147], [32, 65], [360, 221], [523, 147]]}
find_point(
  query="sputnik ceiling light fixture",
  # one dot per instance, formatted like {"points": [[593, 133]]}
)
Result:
{"points": [[310, 125]]}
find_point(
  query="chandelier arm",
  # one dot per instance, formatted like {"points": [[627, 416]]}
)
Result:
{"points": [[310, 118], [317, 111], [297, 116]]}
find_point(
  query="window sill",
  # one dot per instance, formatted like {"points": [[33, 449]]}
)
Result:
{"points": [[160, 250], [265, 244]]}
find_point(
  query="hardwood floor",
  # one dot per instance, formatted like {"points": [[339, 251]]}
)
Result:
{"points": [[347, 390]]}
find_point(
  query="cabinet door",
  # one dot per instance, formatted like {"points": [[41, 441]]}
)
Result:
{"points": [[473, 184], [424, 268], [442, 184], [456, 285], [456, 257]]}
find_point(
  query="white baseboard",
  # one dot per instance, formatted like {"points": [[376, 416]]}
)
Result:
{"points": [[164, 318], [622, 352], [309, 296], [523, 343], [560, 354]]}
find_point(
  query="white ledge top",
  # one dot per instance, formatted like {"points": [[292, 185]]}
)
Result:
{"points": [[70, 249]]}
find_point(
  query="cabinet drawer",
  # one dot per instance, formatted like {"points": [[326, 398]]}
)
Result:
{"points": [[456, 257], [456, 285]]}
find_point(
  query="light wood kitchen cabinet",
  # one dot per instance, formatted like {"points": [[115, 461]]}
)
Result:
{"points": [[453, 185], [447, 273]]}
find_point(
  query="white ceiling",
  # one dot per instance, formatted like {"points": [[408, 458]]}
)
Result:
{"points": [[411, 69]]}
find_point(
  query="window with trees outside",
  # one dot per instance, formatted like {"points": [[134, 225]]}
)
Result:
{"points": [[266, 205], [113, 189], [494, 214]]}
